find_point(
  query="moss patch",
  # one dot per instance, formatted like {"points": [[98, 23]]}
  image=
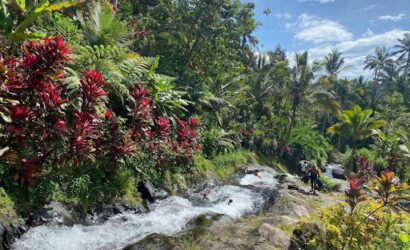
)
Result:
{"points": [[7, 212]]}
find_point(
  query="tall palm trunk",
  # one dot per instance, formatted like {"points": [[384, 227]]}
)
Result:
{"points": [[374, 89], [352, 158], [292, 118]]}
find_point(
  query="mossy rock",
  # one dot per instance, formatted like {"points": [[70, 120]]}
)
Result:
{"points": [[7, 212], [306, 235]]}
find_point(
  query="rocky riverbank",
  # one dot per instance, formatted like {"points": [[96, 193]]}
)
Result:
{"points": [[270, 229], [257, 208]]}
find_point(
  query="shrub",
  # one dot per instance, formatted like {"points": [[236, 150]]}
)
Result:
{"points": [[307, 144], [328, 184], [378, 162], [69, 144], [383, 228], [371, 223], [307, 235]]}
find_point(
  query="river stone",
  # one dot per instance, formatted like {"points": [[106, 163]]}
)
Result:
{"points": [[160, 194], [55, 213]]}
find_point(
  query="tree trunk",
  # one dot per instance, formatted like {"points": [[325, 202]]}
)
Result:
{"points": [[374, 90], [352, 163], [292, 118]]}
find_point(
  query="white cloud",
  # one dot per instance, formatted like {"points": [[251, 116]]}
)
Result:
{"points": [[319, 1], [392, 18], [370, 7], [317, 30], [283, 16], [355, 51], [368, 33]]}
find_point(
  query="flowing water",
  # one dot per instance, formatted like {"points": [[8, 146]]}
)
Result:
{"points": [[167, 217]]}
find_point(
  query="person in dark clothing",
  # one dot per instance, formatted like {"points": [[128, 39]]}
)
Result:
{"points": [[314, 176]]}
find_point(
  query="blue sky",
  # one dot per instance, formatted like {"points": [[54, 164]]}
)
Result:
{"points": [[354, 27]]}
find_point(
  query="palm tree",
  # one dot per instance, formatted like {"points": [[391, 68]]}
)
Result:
{"points": [[300, 85], [355, 126], [102, 26], [260, 87], [390, 76], [247, 24], [334, 62], [377, 63], [403, 50]]}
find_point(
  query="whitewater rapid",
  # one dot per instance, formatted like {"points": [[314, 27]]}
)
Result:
{"points": [[166, 217]]}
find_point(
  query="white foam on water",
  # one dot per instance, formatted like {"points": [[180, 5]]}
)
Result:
{"points": [[167, 217], [265, 179]]}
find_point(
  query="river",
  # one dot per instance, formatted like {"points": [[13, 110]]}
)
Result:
{"points": [[167, 217]]}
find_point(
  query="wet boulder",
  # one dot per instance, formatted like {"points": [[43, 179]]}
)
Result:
{"points": [[146, 190], [339, 173], [270, 237], [160, 194], [4, 238], [303, 166], [53, 213]]}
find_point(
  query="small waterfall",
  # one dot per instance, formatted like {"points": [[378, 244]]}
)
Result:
{"points": [[166, 217]]}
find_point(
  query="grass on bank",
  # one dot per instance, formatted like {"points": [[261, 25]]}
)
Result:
{"points": [[225, 165]]}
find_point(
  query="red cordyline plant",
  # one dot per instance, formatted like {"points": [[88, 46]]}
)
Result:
{"points": [[355, 195], [92, 89], [38, 120], [140, 112], [366, 168], [158, 134], [88, 124], [387, 189], [45, 131], [187, 141]]}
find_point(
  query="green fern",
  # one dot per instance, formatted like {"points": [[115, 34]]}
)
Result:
{"points": [[103, 27], [122, 68]]}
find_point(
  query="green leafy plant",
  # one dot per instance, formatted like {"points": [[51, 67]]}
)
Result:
{"points": [[16, 18], [307, 144], [356, 125]]}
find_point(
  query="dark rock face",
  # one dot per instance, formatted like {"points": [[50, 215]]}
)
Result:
{"points": [[338, 173], [149, 193], [146, 190], [54, 213], [8, 233], [405, 205], [4, 238]]}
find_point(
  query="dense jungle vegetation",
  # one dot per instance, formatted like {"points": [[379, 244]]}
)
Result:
{"points": [[96, 96]]}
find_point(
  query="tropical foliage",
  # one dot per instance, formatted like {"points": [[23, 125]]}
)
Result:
{"points": [[96, 97]]}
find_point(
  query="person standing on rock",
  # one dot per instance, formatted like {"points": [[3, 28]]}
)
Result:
{"points": [[314, 176]]}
